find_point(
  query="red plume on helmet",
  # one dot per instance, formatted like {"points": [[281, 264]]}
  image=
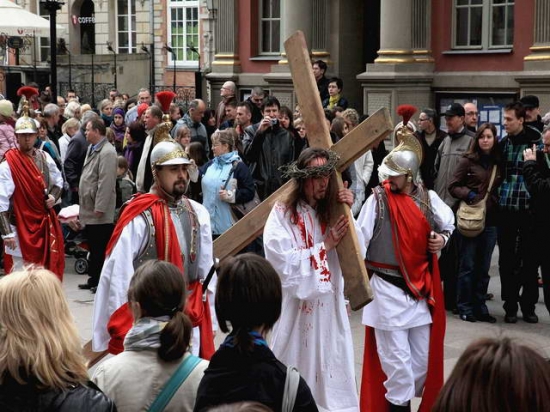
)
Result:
{"points": [[165, 98], [406, 111], [27, 91]]}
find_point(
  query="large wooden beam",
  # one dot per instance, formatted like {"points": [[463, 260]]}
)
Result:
{"points": [[362, 138]]}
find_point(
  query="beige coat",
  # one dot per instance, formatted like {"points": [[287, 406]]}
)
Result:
{"points": [[97, 185], [133, 380]]}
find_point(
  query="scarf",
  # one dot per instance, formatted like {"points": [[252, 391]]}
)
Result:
{"points": [[333, 101], [145, 334], [119, 131]]}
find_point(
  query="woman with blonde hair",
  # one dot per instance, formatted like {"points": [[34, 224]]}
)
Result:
{"points": [[41, 363]]}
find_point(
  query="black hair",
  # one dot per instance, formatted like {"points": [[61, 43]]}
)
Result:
{"points": [[270, 101], [159, 288], [339, 82], [249, 296], [517, 107], [322, 65]]}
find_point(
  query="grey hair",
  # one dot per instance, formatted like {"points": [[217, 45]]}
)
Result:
{"points": [[50, 110], [87, 116], [430, 113], [257, 91], [103, 103], [71, 108]]}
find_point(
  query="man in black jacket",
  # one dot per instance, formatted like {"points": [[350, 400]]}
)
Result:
{"points": [[76, 153], [271, 147], [536, 172]]}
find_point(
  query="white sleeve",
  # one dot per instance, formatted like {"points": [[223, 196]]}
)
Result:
{"points": [[367, 219], [444, 218], [56, 178], [6, 186], [303, 271], [206, 256], [118, 269], [366, 167]]}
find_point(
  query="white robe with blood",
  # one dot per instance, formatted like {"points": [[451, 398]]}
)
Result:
{"points": [[313, 333]]}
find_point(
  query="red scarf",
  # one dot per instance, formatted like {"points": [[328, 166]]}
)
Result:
{"points": [[38, 230], [197, 310], [410, 233]]}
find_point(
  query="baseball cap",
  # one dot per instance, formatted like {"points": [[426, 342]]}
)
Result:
{"points": [[455, 109], [530, 101]]}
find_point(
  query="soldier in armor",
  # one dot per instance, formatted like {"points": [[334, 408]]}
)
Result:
{"points": [[404, 225], [30, 185], [165, 225]]}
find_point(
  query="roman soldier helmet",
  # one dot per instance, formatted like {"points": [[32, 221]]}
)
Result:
{"points": [[168, 152], [164, 99], [405, 159], [26, 124]]}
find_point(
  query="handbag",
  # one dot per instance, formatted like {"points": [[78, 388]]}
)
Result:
{"points": [[239, 210], [470, 219], [173, 384], [291, 389]]}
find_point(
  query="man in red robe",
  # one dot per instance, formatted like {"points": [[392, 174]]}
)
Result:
{"points": [[162, 224], [30, 185], [404, 226]]}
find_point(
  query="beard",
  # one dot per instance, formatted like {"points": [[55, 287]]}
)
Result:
{"points": [[179, 188]]}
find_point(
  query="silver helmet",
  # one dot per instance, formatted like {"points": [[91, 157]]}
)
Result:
{"points": [[405, 159], [169, 153]]}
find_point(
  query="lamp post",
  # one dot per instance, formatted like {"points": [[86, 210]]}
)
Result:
{"points": [[171, 50], [110, 48], [145, 50], [52, 6], [198, 77]]}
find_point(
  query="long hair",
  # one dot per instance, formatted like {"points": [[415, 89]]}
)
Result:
{"points": [[248, 296], [39, 342], [475, 151], [291, 201], [497, 374], [159, 288]]}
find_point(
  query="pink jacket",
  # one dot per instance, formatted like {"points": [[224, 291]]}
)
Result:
{"points": [[7, 138]]}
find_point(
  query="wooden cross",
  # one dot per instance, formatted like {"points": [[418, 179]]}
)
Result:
{"points": [[352, 146]]}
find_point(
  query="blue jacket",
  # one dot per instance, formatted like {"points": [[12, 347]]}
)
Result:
{"points": [[214, 175]]}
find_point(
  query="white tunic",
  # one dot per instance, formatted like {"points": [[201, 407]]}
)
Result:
{"points": [[392, 308], [118, 270], [313, 332]]}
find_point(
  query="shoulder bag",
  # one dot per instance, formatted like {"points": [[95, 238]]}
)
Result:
{"points": [[292, 382], [173, 384], [470, 219], [241, 209]]}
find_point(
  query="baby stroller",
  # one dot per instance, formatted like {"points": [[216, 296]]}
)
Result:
{"points": [[75, 243]]}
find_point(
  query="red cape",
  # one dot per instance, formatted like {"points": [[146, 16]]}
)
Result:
{"points": [[38, 230], [197, 310], [410, 232]]}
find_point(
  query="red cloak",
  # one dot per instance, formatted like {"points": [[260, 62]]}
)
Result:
{"points": [[197, 310], [410, 233], [38, 230]]}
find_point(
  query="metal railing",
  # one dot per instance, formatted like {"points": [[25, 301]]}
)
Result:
{"points": [[184, 94], [85, 92]]}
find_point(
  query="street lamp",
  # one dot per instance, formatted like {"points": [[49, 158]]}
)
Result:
{"points": [[149, 53], [198, 77], [110, 48], [52, 6], [171, 50]]}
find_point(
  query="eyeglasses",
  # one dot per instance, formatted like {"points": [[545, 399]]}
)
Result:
{"points": [[472, 113]]}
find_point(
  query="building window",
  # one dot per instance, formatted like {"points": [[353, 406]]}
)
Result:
{"points": [[126, 26], [270, 27], [43, 42], [483, 24], [184, 31]]}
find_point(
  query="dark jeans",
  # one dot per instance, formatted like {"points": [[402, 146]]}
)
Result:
{"points": [[97, 236], [473, 271], [448, 267], [518, 261]]}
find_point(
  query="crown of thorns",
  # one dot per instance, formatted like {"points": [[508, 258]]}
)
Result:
{"points": [[291, 171]]}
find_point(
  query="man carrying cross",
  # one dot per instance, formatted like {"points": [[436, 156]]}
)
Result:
{"points": [[404, 226], [313, 332]]}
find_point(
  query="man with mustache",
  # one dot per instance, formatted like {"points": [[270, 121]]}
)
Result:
{"points": [[165, 225]]}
